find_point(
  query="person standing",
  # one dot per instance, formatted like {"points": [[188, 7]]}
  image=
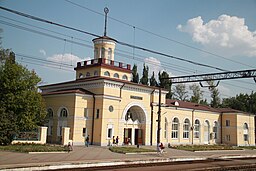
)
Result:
{"points": [[87, 141], [114, 141], [117, 139]]}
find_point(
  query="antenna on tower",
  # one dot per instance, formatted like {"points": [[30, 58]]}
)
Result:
{"points": [[106, 10]]}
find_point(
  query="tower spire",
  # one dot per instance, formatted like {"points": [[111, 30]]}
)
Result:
{"points": [[106, 10]]}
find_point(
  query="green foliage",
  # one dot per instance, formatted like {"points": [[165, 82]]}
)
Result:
{"points": [[25, 148], [180, 93], [243, 102], [215, 95], [20, 102], [205, 147], [152, 81], [144, 78], [125, 150], [197, 93], [165, 83], [135, 75]]}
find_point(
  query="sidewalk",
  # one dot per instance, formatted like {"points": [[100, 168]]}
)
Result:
{"points": [[101, 156]]}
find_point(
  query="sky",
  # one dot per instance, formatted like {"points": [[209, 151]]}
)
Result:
{"points": [[220, 33]]}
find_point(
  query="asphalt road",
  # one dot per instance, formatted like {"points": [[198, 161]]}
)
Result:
{"points": [[246, 164]]}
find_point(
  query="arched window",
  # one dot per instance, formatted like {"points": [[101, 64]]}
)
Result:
{"points": [[246, 128], [106, 73], [197, 129], [109, 53], [165, 128], [49, 113], [186, 127], [215, 130], [102, 52], [125, 77], [63, 113], [81, 75], [96, 73], [88, 74], [175, 127], [116, 75]]}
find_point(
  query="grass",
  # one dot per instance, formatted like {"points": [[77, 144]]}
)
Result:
{"points": [[125, 150], [248, 147], [25, 148], [206, 147]]}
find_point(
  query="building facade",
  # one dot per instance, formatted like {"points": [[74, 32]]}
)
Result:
{"points": [[102, 102]]}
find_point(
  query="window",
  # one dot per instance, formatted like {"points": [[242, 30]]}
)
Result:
{"points": [[49, 113], [246, 128], [84, 132], [175, 127], [227, 122], [109, 132], [96, 53], [51, 128], [111, 108], [125, 77], [228, 137], [97, 113], [96, 73], [88, 74], [116, 75], [86, 113], [215, 130], [165, 128], [102, 52], [109, 53], [106, 73], [60, 132], [197, 129], [63, 113], [186, 128]]}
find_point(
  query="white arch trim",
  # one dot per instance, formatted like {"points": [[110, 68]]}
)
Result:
{"points": [[128, 106]]}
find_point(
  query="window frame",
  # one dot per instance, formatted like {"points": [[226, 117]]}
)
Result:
{"points": [[186, 128], [175, 128], [197, 129]]}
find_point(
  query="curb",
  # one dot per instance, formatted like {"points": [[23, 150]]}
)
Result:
{"points": [[101, 164]]}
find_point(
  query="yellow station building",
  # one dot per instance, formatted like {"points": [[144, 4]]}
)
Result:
{"points": [[102, 102]]}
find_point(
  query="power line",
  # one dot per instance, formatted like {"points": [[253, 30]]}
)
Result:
{"points": [[119, 42], [160, 36], [127, 56]]}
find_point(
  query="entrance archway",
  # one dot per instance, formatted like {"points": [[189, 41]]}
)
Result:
{"points": [[134, 128]]}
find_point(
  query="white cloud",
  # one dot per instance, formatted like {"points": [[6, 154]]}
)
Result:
{"points": [[153, 65], [42, 51], [66, 58], [228, 35]]}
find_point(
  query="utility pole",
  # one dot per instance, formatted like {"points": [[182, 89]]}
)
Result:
{"points": [[159, 117]]}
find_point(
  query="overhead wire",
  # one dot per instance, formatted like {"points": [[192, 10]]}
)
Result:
{"points": [[160, 36], [82, 44], [119, 42]]}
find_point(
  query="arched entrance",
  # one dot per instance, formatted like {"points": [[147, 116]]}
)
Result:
{"points": [[206, 132], [134, 128]]}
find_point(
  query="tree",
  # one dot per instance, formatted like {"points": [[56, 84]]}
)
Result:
{"points": [[242, 102], [165, 83], [21, 105], [144, 78], [135, 75], [152, 81], [197, 93], [179, 92], [215, 101]]}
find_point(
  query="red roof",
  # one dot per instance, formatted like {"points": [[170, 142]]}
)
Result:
{"points": [[67, 91]]}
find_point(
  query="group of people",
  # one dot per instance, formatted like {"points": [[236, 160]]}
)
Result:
{"points": [[115, 141]]}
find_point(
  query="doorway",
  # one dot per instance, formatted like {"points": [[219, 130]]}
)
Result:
{"points": [[127, 135], [138, 136]]}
